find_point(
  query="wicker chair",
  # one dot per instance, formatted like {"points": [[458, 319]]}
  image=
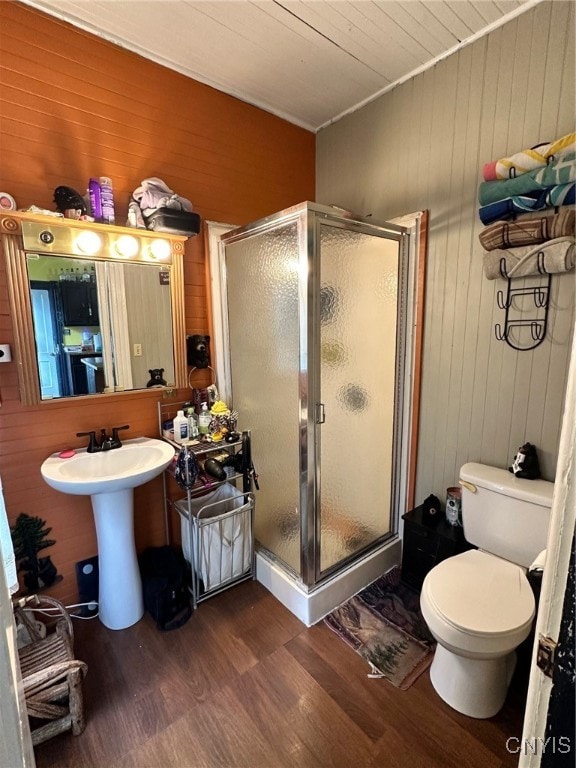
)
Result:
{"points": [[52, 677]]}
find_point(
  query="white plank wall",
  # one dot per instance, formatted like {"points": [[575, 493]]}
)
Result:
{"points": [[422, 146]]}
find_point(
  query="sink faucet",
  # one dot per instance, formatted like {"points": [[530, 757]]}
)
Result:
{"points": [[93, 444], [115, 439], [107, 442]]}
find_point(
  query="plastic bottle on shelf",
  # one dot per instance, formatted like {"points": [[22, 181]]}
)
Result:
{"points": [[180, 427], [192, 424], [107, 198], [95, 195], [204, 420]]}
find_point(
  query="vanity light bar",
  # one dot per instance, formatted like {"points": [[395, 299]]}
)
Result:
{"points": [[80, 239]]}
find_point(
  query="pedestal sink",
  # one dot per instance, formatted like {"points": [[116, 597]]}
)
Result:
{"points": [[109, 478]]}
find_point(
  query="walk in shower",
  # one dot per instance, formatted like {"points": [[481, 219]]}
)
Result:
{"points": [[314, 304]]}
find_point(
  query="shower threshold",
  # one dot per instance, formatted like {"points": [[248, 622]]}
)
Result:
{"points": [[311, 606]]}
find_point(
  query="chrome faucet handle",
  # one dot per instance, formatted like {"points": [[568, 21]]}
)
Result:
{"points": [[115, 439], [93, 445]]}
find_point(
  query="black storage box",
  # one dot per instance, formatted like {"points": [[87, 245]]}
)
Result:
{"points": [[166, 595], [173, 222]]}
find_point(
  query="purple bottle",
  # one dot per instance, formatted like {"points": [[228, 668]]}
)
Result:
{"points": [[107, 200], [95, 194]]}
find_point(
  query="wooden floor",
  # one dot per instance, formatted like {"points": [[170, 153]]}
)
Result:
{"points": [[245, 684]]}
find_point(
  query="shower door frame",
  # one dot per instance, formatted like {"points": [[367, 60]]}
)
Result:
{"points": [[310, 216], [311, 572]]}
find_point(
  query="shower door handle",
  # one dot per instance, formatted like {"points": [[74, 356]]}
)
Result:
{"points": [[320, 414]]}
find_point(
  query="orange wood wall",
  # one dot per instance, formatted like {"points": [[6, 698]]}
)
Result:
{"points": [[73, 106]]}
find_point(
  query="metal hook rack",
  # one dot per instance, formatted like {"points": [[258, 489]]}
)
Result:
{"points": [[540, 295]]}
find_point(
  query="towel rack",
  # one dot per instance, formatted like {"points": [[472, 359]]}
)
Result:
{"points": [[537, 325]]}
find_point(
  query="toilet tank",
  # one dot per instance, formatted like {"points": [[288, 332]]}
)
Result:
{"points": [[503, 514]]}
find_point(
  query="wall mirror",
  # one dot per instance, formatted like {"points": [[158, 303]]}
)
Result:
{"points": [[95, 308]]}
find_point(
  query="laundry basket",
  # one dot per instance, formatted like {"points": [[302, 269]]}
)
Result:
{"points": [[217, 538]]}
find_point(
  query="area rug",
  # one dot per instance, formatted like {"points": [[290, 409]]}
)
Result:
{"points": [[383, 624]]}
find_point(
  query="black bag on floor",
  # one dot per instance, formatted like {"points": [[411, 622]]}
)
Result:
{"points": [[166, 595]]}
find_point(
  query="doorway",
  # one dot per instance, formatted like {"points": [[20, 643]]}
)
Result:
{"points": [[48, 339]]}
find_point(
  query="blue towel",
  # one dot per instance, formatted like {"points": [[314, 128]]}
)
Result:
{"points": [[510, 207]]}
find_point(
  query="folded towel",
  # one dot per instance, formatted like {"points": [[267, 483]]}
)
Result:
{"points": [[510, 207], [561, 171], [529, 229], [547, 258], [154, 193], [529, 159], [562, 194]]}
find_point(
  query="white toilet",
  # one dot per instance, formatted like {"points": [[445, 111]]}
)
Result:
{"points": [[479, 605]]}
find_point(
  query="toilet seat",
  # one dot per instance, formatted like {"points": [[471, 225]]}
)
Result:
{"points": [[479, 594]]}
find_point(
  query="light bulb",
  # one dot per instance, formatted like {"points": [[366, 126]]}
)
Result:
{"points": [[126, 246], [160, 249], [89, 242]]}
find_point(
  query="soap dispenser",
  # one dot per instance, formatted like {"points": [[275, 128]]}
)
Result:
{"points": [[204, 420], [180, 427]]}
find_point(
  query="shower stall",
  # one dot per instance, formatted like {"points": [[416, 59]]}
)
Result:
{"points": [[314, 305]]}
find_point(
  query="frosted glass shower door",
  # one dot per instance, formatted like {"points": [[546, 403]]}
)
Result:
{"points": [[358, 302], [262, 286]]}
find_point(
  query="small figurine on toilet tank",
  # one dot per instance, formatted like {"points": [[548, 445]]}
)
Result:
{"points": [[525, 463]]}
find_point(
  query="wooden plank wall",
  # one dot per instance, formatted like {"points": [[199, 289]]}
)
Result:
{"points": [[74, 106], [422, 146]]}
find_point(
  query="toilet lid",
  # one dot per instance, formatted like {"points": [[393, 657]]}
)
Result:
{"points": [[480, 593]]}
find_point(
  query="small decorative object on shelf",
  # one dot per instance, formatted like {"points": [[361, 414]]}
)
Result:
{"points": [[526, 464]]}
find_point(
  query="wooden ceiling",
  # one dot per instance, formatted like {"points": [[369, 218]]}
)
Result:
{"points": [[308, 61]]}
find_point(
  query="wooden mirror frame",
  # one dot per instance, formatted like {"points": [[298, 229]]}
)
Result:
{"points": [[11, 240]]}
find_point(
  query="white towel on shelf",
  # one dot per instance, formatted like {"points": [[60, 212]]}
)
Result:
{"points": [[550, 257], [6, 548]]}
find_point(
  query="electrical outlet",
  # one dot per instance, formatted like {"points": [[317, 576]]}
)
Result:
{"points": [[137, 350]]}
